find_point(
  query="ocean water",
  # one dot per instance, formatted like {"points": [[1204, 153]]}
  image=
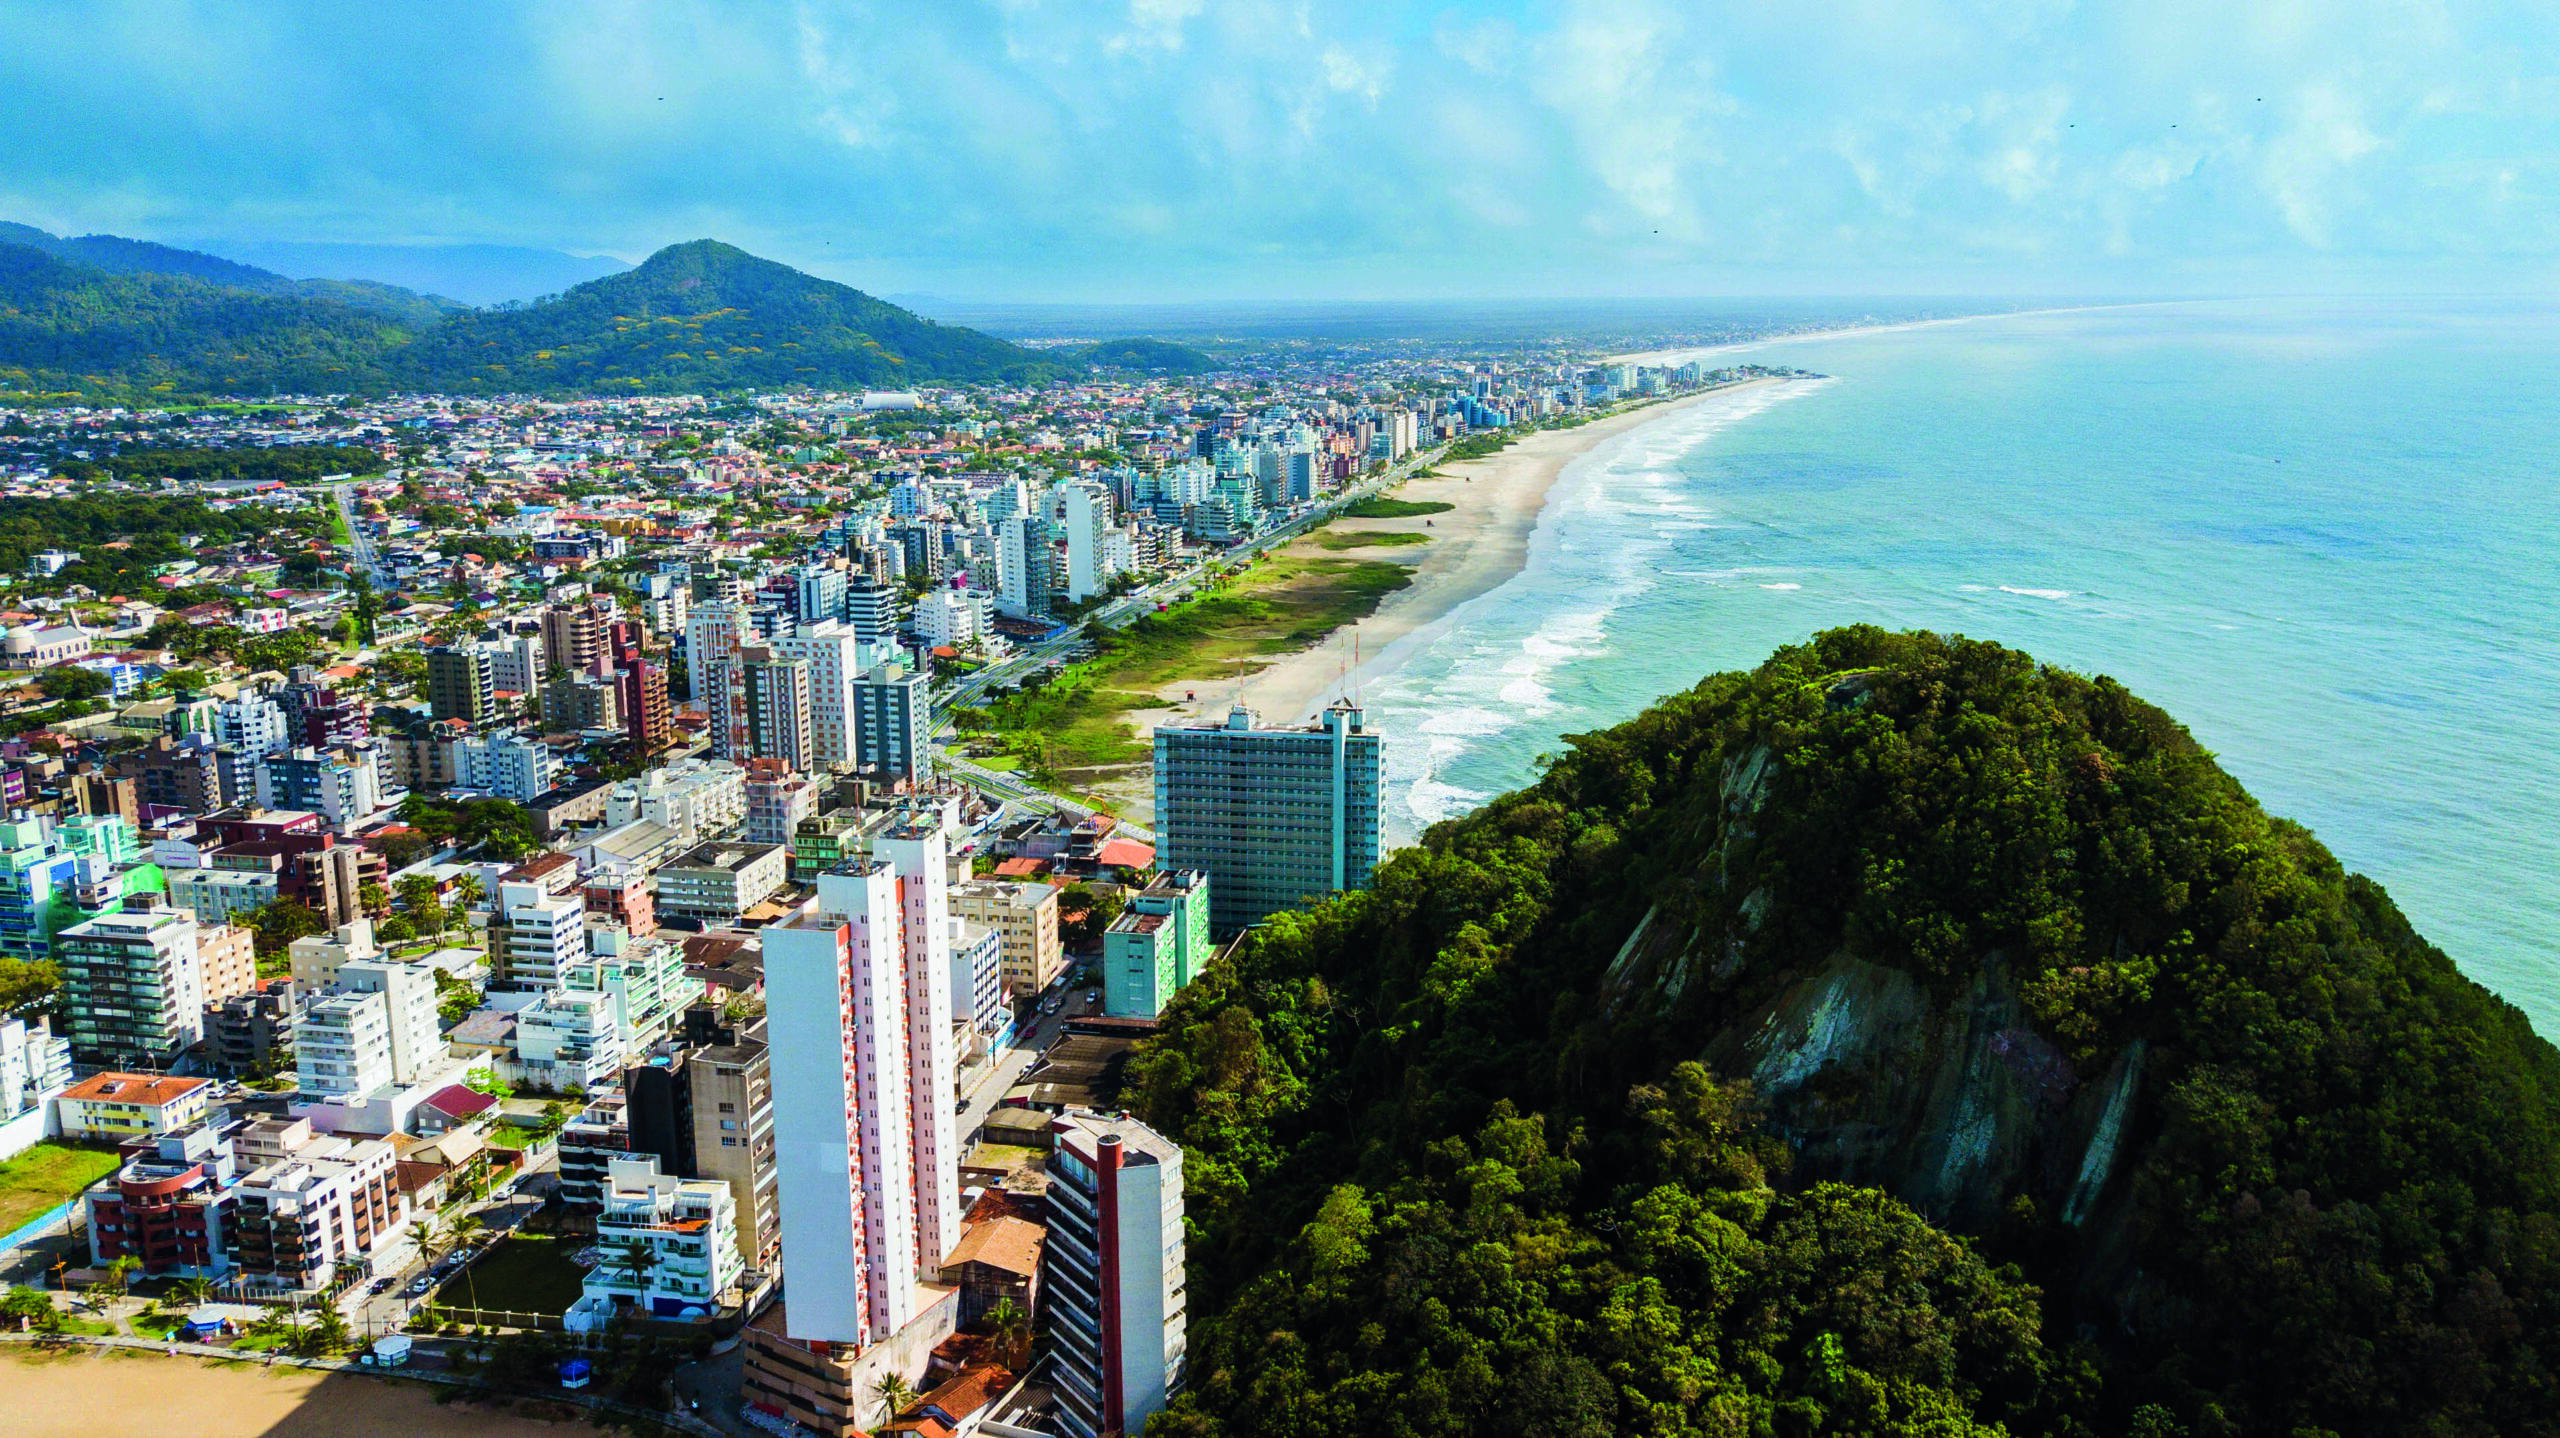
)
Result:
{"points": [[2324, 536]]}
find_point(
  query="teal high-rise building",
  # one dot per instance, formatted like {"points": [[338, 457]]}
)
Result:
{"points": [[1157, 945], [1275, 817], [56, 874]]}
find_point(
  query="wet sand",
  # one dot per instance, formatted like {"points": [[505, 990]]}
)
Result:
{"points": [[107, 1393]]}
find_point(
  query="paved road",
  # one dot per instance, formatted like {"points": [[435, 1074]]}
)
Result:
{"points": [[1027, 1045], [359, 541]]}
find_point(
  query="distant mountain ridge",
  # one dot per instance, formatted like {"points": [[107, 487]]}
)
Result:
{"points": [[124, 256], [476, 274], [104, 315]]}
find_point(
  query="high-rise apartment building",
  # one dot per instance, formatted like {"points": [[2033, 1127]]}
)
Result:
{"points": [[460, 683], [1157, 945], [871, 610], [858, 998], [573, 637], [408, 993], [776, 692], [1026, 565], [893, 722], [1111, 1283], [706, 1111], [835, 653], [342, 1048], [817, 592], [132, 987], [712, 636], [1274, 817], [543, 933], [917, 850], [1026, 916], [1086, 511]]}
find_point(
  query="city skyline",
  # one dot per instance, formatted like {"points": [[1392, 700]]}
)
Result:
{"points": [[1176, 150]]}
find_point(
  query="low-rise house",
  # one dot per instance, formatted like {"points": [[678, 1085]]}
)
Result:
{"points": [[117, 1106]]}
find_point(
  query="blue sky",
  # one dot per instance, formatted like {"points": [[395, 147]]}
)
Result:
{"points": [[1181, 149]]}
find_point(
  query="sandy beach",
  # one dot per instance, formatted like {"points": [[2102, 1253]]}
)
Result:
{"points": [[1469, 550], [104, 1393]]}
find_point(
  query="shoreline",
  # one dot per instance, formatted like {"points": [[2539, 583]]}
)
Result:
{"points": [[1470, 551], [1695, 352]]}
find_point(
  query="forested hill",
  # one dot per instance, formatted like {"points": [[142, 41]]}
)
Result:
{"points": [[70, 327], [118, 254], [706, 316], [702, 316], [1901, 1037]]}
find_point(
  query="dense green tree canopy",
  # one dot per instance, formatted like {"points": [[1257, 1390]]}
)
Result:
{"points": [[2334, 1209]]}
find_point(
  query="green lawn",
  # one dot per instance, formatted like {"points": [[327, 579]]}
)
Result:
{"points": [[1340, 539], [1379, 507], [46, 1175], [1075, 727], [520, 1275]]}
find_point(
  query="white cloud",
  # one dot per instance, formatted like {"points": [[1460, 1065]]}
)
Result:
{"points": [[1347, 74]]}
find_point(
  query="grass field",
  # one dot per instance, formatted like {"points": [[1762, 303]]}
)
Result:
{"points": [[1074, 730], [519, 1275], [1377, 507], [1341, 539], [46, 1175]]}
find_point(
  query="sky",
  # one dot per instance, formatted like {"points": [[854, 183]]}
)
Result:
{"points": [[1117, 150]]}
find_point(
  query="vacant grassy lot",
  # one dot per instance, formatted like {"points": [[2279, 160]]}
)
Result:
{"points": [[1378, 507], [46, 1175], [1074, 731], [520, 1275], [1341, 539]]}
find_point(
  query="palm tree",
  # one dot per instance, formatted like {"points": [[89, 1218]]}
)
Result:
{"points": [[636, 1260], [894, 1396], [120, 1274], [1012, 1329], [195, 1289], [431, 1241], [459, 1234], [467, 891]]}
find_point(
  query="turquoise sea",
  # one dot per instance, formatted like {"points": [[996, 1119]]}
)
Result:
{"points": [[2324, 535]]}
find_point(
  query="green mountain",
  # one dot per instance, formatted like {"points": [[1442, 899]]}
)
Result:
{"points": [[100, 315], [1147, 356], [706, 316], [70, 327], [124, 256], [1901, 1037]]}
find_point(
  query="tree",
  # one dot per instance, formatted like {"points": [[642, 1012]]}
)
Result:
{"points": [[1012, 1329], [431, 1240], [461, 1234], [374, 899], [326, 1333], [400, 666], [70, 681], [195, 1288], [894, 1394], [418, 893], [31, 1308], [27, 984], [279, 923], [1093, 910], [635, 1261]]}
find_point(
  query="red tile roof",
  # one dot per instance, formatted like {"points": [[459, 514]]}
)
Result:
{"points": [[152, 1089]]}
